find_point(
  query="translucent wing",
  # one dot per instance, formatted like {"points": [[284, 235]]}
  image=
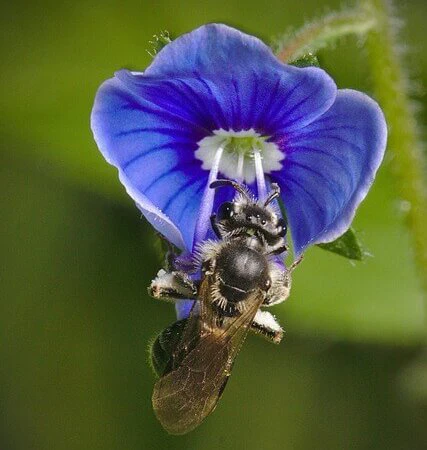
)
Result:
{"points": [[190, 391]]}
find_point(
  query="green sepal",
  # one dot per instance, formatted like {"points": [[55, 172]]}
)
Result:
{"points": [[158, 42], [308, 60], [346, 245]]}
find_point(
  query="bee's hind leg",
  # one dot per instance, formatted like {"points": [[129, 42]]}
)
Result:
{"points": [[173, 285], [265, 324]]}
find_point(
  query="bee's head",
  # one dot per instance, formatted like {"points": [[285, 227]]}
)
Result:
{"points": [[246, 215]]}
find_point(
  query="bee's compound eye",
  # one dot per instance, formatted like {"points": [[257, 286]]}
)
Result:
{"points": [[225, 211]]}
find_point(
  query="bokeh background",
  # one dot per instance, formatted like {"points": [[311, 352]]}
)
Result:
{"points": [[75, 318]]}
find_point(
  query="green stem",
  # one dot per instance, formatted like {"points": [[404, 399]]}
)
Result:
{"points": [[324, 32], [391, 83]]}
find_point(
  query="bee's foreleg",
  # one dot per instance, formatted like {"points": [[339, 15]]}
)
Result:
{"points": [[280, 286], [173, 285], [171, 254], [265, 324], [277, 249], [215, 226]]}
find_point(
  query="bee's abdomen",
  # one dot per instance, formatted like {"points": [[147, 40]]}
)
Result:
{"points": [[241, 270]]}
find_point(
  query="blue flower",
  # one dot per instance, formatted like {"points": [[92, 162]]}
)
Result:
{"points": [[217, 103]]}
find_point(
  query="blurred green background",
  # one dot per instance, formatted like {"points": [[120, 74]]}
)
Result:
{"points": [[75, 318]]}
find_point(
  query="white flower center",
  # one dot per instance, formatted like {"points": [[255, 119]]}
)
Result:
{"points": [[241, 149]]}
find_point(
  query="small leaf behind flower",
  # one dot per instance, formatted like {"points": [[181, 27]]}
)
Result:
{"points": [[306, 60], [158, 42], [346, 245]]}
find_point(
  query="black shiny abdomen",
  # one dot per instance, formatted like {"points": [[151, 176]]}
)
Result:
{"points": [[241, 269]]}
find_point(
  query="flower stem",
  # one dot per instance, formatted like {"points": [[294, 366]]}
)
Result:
{"points": [[323, 32], [404, 145]]}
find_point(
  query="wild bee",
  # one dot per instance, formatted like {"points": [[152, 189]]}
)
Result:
{"points": [[240, 273]]}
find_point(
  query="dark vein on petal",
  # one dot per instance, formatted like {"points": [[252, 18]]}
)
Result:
{"points": [[359, 149], [267, 104], [323, 152], [297, 119], [332, 184], [180, 191], [176, 168], [168, 115], [309, 195], [168, 92], [168, 147], [161, 130], [303, 134], [238, 110], [202, 109], [220, 112], [284, 105], [253, 101], [190, 202], [162, 91]]}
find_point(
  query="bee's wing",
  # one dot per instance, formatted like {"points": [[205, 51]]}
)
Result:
{"points": [[187, 394]]}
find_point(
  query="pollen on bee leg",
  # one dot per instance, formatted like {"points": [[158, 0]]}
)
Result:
{"points": [[266, 324], [170, 286]]}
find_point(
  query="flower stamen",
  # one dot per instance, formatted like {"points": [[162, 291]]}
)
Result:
{"points": [[240, 162], [239, 152], [202, 224], [259, 173]]}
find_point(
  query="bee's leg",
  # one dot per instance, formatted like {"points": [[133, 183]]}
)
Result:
{"points": [[281, 282], [175, 261], [170, 255], [292, 267], [215, 227], [277, 249], [280, 288], [173, 285], [265, 324]]}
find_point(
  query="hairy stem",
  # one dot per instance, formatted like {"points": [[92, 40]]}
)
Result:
{"points": [[324, 32], [391, 84]]}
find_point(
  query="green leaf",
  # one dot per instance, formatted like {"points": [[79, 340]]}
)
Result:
{"points": [[307, 60], [346, 245], [158, 42]]}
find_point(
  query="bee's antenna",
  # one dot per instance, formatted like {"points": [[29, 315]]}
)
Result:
{"points": [[223, 182], [274, 194]]}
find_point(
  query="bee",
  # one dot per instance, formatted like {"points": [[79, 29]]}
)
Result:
{"points": [[240, 274]]}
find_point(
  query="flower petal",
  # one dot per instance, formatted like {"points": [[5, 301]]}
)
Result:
{"points": [[149, 125], [149, 128], [248, 85], [212, 49], [183, 308], [151, 136], [329, 168]]}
